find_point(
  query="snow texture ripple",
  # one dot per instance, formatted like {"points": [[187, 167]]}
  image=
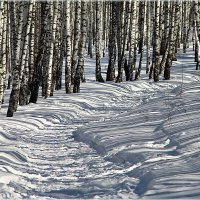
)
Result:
{"points": [[130, 140]]}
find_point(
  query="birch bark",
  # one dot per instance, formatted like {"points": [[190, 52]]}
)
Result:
{"points": [[112, 43], [98, 42], [53, 17], [68, 50], [80, 66]]}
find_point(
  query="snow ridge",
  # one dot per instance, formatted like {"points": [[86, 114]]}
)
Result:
{"points": [[130, 140]]}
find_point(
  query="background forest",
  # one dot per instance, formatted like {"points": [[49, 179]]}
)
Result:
{"points": [[107, 95], [38, 38]]}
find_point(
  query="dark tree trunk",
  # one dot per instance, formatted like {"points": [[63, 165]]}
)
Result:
{"points": [[112, 44], [80, 67]]}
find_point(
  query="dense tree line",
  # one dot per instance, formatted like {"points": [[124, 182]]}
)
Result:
{"points": [[38, 38]]}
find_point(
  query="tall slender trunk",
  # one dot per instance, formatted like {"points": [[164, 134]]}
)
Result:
{"points": [[98, 42], [148, 21], [152, 38], [90, 38], [121, 37], [24, 60], [184, 26], [76, 39], [165, 41], [3, 18], [197, 34], [176, 29], [58, 53], [53, 17], [156, 53], [171, 44], [17, 68], [80, 66], [131, 63], [40, 58], [112, 43], [165, 32], [141, 40], [197, 47], [68, 50]]}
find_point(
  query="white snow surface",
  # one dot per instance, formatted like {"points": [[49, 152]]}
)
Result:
{"points": [[132, 140]]}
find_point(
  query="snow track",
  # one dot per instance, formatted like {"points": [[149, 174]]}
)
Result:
{"points": [[160, 137], [39, 154], [129, 140]]}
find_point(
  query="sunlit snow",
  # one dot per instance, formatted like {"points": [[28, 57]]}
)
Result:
{"points": [[134, 140]]}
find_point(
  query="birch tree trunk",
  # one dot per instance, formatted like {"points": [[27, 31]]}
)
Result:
{"points": [[80, 66], [77, 30], [32, 41], [171, 44], [23, 95], [141, 40], [58, 54], [155, 68], [141, 25], [3, 47], [165, 33], [184, 26], [148, 21], [122, 18], [90, 38], [153, 39], [197, 47], [68, 50], [189, 21], [112, 43], [176, 29], [156, 53], [13, 36], [98, 42], [17, 68], [131, 63], [53, 16], [40, 59], [165, 41], [197, 34], [5, 43]]}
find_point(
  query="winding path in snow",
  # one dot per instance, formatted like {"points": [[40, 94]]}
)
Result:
{"points": [[112, 140], [39, 157], [160, 138]]}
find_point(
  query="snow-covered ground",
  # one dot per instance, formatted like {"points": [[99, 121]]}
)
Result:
{"points": [[132, 140]]}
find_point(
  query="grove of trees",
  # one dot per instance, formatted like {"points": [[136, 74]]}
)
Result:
{"points": [[39, 38]]}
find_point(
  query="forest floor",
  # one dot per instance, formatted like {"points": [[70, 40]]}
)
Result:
{"points": [[136, 140]]}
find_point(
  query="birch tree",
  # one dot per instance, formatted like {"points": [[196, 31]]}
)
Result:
{"points": [[98, 42], [67, 48], [53, 17], [76, 38], [165, 41], [40, 58], [121, 37], [148, 21], [17, 68], [80, 66], [24, 77], [156, 47], [3, 45], [112, 43], [141, 38], [197, 34], [184, 26], [90, 22], [171, 44]]}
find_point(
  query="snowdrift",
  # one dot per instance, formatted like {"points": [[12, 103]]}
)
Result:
{"points": [[130, 140]]}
